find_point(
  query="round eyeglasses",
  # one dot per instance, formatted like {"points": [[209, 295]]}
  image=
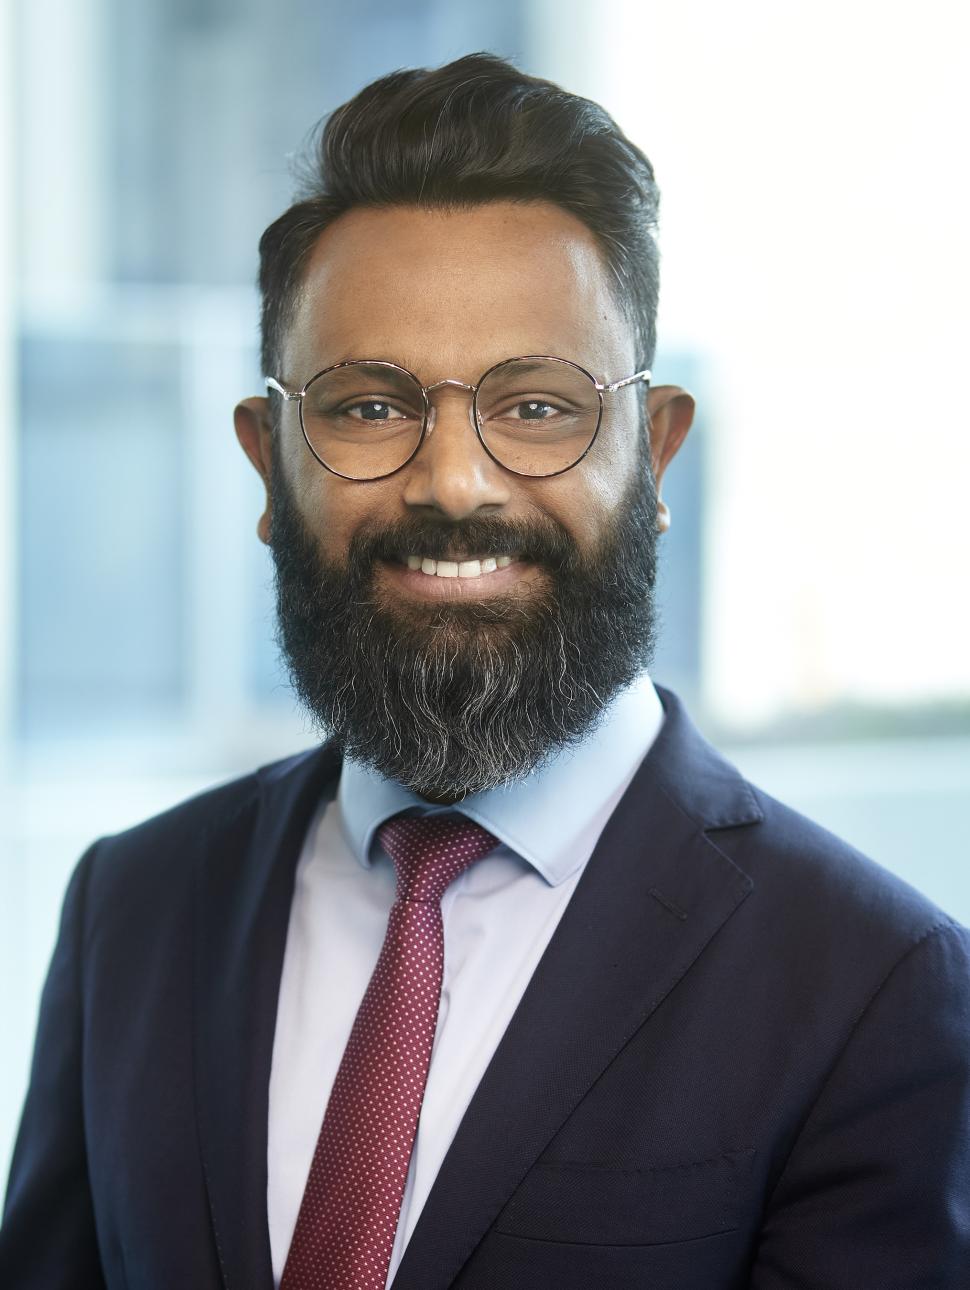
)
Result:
{"points": [[537, 415]]}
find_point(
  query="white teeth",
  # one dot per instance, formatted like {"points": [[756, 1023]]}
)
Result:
{"points": [[458, 568]]}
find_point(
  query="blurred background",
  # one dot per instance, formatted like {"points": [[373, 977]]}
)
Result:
{"points": [[812, 158]]}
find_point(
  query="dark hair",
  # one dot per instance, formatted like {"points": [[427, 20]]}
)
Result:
{"points": [[476, 130]]}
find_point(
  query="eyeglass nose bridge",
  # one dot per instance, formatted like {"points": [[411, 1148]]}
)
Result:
{"points": [[430, 407], [461, 385]]}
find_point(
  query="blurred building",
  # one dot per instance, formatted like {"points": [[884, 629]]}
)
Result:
{"points": [[143, 602]]}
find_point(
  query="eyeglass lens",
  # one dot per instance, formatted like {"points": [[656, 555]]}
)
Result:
{"points": [[536, 417]]}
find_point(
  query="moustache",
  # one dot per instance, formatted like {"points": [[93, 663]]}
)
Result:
{"points": [[540, 542]]}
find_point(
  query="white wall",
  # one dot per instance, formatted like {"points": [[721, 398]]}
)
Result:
{"points": [[812, 158]]}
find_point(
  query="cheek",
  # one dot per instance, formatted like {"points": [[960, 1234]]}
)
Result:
{"points": [[601, 481], [584, 500], [312, 494], [334, 510]]}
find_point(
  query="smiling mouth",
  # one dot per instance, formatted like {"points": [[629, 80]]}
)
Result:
{"points": [[467, 567]]}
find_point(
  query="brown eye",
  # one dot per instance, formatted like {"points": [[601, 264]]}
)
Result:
{"points": [[372, 410]]}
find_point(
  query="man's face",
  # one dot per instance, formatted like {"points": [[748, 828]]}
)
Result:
{"points": [[454, 684]]}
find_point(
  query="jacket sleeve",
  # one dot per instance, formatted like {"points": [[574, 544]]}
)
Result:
{"points": [[48, 1239], [876, 1192]]}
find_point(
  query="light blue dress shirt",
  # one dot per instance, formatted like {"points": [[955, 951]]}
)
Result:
{"points": [[498, 919]]}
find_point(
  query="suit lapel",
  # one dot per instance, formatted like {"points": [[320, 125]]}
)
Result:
{"points": [[654, 893], [243, 902]]}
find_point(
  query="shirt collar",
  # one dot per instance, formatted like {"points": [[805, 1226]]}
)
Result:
{"points": [[554, 816]]}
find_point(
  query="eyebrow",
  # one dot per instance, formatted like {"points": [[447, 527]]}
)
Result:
{"points": [[360, 357]]}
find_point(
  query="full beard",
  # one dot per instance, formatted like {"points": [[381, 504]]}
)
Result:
{"points": [[450, 699]]}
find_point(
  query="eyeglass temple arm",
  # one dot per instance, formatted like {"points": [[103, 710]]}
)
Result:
{"points": [[645, 375], [273, 384]]}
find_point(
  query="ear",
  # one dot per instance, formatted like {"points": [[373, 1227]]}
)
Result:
{"points": [[254, 430], [670, 411]]}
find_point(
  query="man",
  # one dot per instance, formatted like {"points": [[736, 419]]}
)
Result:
{"points": [[660, 1031]]}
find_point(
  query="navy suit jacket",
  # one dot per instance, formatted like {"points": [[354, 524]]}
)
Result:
{"points": [[743, 1061]]}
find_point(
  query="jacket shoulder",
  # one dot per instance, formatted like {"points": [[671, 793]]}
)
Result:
{"points": [[806, 881], [824, 888], [169, 844]]}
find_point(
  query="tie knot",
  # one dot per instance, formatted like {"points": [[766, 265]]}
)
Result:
{"points": [[430, 851]]}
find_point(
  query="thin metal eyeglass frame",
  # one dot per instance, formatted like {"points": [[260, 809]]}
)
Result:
{"points": [[427, 417]]}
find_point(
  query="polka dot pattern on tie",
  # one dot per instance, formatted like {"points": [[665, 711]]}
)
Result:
{"points": [[345, 1229]]}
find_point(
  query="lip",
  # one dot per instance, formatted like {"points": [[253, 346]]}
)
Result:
{"points": [[424, 586]]}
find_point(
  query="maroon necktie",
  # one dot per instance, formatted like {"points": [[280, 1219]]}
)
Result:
{"points": [[345, 1230]]}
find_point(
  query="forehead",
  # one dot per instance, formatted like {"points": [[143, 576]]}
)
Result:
{"points": [[449, 292]]}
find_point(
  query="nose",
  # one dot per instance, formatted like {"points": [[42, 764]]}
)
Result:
{"points": [[452, 473]]}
